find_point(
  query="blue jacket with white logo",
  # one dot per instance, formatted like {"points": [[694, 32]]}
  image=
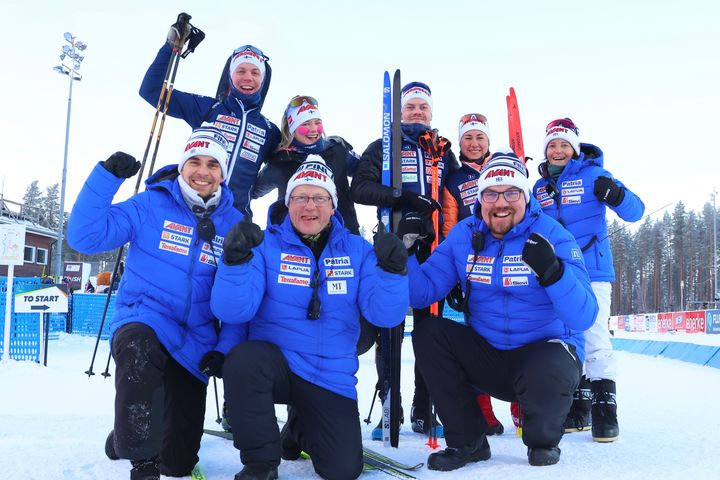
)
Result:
{"points": [[273, 290], [508, 306], [169, 270], [251, 137], [577, 208]]}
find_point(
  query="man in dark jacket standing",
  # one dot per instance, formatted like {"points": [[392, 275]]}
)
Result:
{"points": [[415, 196], [236, 110], [527, 302], [163, 328]]}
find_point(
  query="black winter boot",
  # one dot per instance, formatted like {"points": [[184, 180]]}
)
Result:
{"points": [[540, 457], [257, 471], [578, 418], [454, 458], [110, 446], [604, 411], [148, 469]]}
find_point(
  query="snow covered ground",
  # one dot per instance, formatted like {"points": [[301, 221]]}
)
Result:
{"points": [[54, 420]]}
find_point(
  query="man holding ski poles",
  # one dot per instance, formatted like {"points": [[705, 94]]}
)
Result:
{"points": [[415, 196], [527, 302], [235, 110], [162, 329]]}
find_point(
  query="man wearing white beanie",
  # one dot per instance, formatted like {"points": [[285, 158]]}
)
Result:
{"points": [[162, 333], [527, 301], [300, 288]]}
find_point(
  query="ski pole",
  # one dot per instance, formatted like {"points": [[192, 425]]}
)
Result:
{"points": [[106, 373], [218, 420], [372, 404]]}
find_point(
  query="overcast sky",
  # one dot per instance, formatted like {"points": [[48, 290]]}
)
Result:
{"points": [[639, 78]]}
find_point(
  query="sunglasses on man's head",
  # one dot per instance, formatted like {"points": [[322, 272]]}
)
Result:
{"points": [[562, 122], [298, 100], [250, 48]]}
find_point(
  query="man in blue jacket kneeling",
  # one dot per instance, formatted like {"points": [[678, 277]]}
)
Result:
{"points": [[527, 301], [163, 328], [302, 285]]}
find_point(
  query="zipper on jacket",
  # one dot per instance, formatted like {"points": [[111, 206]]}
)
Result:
{"points": [[238, 143]]}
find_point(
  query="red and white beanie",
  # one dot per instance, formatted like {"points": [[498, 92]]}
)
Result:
{"points": [[251, 55], [300, 114], [313, 171], [473, 121], [562, 129], [504, 168], [416, 90], [206, 141]]}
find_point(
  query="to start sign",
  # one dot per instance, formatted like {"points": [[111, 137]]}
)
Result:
{"points": [[49, 299]]}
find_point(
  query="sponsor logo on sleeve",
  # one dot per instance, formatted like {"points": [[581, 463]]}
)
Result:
{"points": [[541, 194], [571, 200], [571, 183], [487, 269], [251, 145], [546, 203], [409, 177], [215, 249], [177, 227], [248, 155], [514, 281], [516, 270], [409, 153], [480, 259], [227, 128], [175, 237], [228, 119], [337, 287], [207, 259], [469, 201], [573, 191], [575, 253], [480, 279], [409, 168], [471, 192], [292, 280], [171, 247], [336, 261], [290, 268], [230, 138], [256, 130], [409, 161], [255, 138], [512, 259], [289, 257], [340, 273]]}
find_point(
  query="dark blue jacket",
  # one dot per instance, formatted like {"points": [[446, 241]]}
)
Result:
{"points": [[338, 155], [579, 210], [251, 136], [273, 291], [169, 271], [508, 307]]}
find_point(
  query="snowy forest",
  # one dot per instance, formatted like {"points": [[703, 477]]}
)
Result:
{"points": [[661, 265]]}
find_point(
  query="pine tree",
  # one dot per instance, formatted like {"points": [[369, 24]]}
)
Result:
{"points": [[49, 207], [32, 201]]}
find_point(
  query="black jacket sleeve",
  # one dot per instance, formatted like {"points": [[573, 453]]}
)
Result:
{"points": [[367, 187], [267, 180]]}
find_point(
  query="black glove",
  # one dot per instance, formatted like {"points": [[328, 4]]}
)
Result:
{"points": [[417, 203], [539, 255], [390, 252], [414, 226], [121, 165], [455, 298], [194, 38], [239, 241], [606, 190], [212, 363], [179, 31]]}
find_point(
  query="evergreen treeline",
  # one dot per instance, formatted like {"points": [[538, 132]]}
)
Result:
{"points": [[665, 265]]}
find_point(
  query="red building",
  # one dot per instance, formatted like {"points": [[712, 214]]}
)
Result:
{"points": [[39, 241]]}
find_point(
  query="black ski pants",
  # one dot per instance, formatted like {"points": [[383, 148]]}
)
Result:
{"points": [[159, 406], [540, 376], [326, 425]]}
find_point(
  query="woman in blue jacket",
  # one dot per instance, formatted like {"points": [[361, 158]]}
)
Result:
{"points": [[527, 301], [576, 190], [302, 289], [163, 327]]}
